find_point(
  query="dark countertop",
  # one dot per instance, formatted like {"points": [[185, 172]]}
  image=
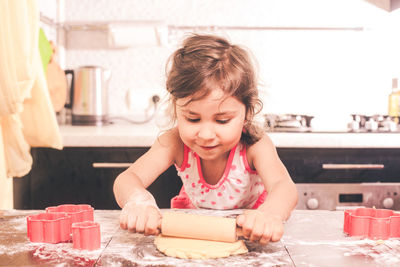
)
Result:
{"points": [[312, 238]]}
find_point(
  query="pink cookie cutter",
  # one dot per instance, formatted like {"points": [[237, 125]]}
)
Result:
{"points": [[86, 235], [372, 223], [49, 227], [78, 213]]}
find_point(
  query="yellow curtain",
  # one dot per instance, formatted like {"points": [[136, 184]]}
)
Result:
{"points": [[26, 114]]}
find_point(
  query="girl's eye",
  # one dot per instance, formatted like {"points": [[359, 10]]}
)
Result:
{"points": [[192, 120], [223, 121]]}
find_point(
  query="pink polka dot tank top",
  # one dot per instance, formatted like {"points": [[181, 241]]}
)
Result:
{"points": [[239, 186]]}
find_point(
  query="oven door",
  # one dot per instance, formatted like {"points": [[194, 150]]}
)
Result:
{"points": [[332, 178], [344, 196]]}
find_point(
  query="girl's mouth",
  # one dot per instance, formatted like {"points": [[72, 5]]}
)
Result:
{"points": [[208, 147]]}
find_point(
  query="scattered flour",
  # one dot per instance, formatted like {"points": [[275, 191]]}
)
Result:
{"points": [[122, 250], [147, 255], [61, 254]]}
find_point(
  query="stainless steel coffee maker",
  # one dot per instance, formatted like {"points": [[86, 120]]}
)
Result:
{"points": [[88, 99]]}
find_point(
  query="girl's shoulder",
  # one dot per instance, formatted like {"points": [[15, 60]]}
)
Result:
{"points": [[168, 136], [264, 141], [263, 147], [170, 142]]}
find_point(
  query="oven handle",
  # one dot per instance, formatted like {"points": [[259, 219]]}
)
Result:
{"points": [[104, 165], [327, 166]]}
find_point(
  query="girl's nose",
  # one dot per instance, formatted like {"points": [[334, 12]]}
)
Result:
{"points": [[206, 132]]}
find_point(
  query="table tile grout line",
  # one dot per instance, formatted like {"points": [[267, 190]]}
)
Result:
{"points": [[287, 251], [105, 247]]}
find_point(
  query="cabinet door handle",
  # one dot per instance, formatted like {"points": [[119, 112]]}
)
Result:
{"points": [[351, 166], [110, 165]]}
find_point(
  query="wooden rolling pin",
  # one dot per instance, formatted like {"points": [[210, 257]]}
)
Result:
{"points": [[186, 225]]}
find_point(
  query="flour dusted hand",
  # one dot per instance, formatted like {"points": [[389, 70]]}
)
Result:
{"points": [[141, 215], [259, 226]]}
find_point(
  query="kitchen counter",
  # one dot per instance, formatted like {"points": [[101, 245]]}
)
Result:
{"points": [[143, 135], [312, 238]]}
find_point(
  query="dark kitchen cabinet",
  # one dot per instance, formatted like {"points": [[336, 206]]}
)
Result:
{"points": [[68, 177], [342, 165]]}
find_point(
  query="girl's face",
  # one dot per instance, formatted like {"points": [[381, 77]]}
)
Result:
{"points": [[210, 126]]}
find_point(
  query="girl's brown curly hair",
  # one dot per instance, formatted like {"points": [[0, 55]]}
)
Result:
{"points": [[206, 62]]}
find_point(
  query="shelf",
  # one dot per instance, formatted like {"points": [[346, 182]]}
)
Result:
{"points": [[105, 26]]}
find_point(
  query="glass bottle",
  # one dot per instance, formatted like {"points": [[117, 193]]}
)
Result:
{"points": [[394, 101]]}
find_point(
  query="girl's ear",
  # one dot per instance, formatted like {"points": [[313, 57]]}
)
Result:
{"points": [[246, 125], [249, 116], [247, 119]]}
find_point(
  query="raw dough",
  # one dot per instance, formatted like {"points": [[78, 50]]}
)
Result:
{"points": [[187, 248]]}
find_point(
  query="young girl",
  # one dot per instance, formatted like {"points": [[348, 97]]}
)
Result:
{"points": [[224, 161]]}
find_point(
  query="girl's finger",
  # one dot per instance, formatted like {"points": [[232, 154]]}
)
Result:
{"points": [[152, 226], [123, 220], [265, 239], [257, 231], [277, 233], [141, 223], [247, 225], [240, 220], [132, 223]]}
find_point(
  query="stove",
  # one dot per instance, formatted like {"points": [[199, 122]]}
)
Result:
{"points": [[357, 123], [332, 178], [374, 123], [287, 123]]}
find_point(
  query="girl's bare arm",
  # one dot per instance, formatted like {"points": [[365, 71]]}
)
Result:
{"points": [[139, 209], [266, 223]]}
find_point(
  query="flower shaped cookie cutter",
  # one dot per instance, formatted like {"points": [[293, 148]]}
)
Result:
{"points": [[49, 227], [372, 223], [55, 225], [86, 235], [78, 213]]}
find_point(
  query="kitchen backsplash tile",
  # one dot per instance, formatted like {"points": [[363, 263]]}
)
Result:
{"points": [[314, 71]]}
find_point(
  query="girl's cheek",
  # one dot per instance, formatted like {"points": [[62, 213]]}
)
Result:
{"points": [[231, 134], [236, 128], [186, 131]]}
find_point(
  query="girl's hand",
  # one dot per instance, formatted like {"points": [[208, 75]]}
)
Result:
{"points": [[259, 226], [141, 217]]}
